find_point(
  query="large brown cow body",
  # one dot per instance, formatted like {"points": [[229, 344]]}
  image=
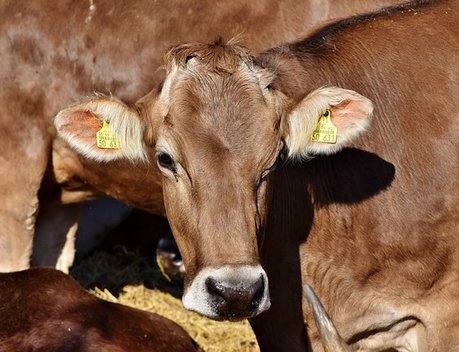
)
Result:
{"points": [[43, 309], [53, 53], [370, 222]]}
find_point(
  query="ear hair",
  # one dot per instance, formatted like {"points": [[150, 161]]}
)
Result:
{"points": [[124, 121], [303, 120]]}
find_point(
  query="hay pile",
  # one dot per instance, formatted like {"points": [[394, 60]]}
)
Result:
{"points": [[122, 276], [211, 335]]}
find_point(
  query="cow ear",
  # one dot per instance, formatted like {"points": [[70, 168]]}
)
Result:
{"points": [[326, 120], [102, 129]]}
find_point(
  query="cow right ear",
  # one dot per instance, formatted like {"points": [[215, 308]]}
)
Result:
{"points": [[103, 129], [326, 120]]}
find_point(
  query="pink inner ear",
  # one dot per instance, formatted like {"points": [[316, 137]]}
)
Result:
{"points": [[79, 128], [82, 125], [348, 113]]}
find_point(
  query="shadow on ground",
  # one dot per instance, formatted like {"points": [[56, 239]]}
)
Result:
{"points": [[127, 256]]}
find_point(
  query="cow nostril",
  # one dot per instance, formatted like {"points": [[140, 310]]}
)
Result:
{"points": [[259, 289], [215, 288], [247, 296]]}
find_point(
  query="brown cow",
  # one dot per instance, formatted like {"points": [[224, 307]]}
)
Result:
{"points": [[45, 310], [52, 53], [263, 163]]}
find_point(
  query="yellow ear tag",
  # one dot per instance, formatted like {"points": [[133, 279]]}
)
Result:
{"points": [[325, 131], [106, 139]]}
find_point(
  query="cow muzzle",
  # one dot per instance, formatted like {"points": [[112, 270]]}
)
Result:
{"points": [[229, 292]]}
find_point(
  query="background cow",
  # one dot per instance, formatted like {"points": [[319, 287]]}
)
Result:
{"points": [[266, 177], [46, 310], [53, 53]]}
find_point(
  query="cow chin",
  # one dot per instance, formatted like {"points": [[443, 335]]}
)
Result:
{"points": [[229, 292]]}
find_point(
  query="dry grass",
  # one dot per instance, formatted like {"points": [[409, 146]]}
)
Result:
{"points": [[121, 277], [211, 335]]}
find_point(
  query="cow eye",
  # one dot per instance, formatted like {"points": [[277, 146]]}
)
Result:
{"points": [[166, 161]]}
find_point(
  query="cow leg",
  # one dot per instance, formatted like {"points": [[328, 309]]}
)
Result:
{"points": [[54, 240], [24, 152], [16, 236], [67, 256], [17, 219]]}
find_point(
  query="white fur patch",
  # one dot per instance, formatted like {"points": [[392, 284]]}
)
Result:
{"points": [[65, 260], [124, 122], [164, 98], [303, 120], [91, 11], [197, 298]]}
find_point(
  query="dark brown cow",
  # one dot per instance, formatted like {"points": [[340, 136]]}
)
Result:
{"points": [[252, 175], [52, 53], [46, 310]]}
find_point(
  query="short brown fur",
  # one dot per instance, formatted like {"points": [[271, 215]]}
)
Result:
{"points": [[46, 310], [53, 53], [373, 228]]}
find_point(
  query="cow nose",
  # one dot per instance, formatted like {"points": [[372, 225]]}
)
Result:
{"points": [[229, 298]]}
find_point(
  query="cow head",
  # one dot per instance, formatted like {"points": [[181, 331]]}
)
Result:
{"points": [[219, 130]]}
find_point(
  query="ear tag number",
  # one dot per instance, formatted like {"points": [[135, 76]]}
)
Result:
{"points": [[106, 139], [325, 131]]}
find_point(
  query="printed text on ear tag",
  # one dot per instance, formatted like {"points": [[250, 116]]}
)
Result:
{"points": [[106, 139], [325, 131]]}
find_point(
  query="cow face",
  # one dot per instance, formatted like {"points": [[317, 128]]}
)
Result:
{"points": [[219, 132], [218, 141]]}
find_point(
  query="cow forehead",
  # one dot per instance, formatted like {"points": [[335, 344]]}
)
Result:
{"points": [[214, 78], [214, 112]]}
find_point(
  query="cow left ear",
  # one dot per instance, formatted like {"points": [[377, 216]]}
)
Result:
{"points": [[326, 120], [103, 129]]}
